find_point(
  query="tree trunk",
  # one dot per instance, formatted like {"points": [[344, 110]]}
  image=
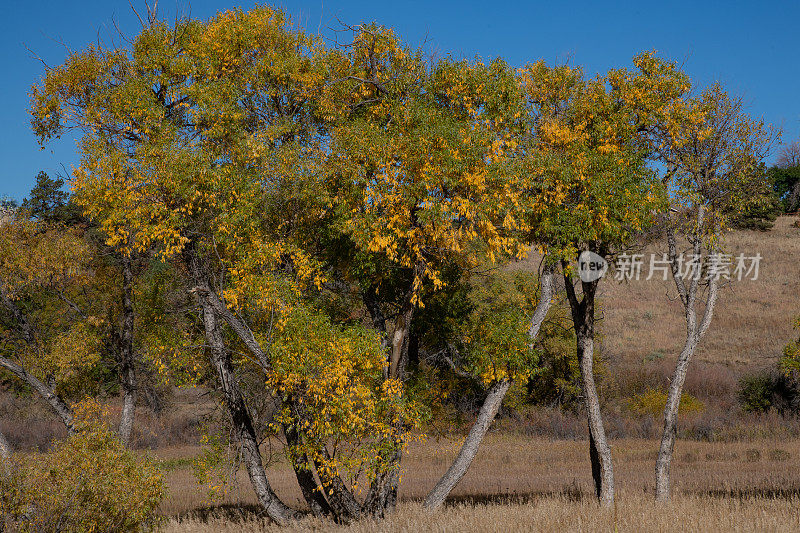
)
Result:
{"points": [[599, 449], [470, 447], [398, 360], [127, 355], [234, 400], [5, 447], [240, 417], [664, 459], [382, 494], [62, 409], [694, 333], [342, 501], [305, 477], [337, 498], [491, 405]]}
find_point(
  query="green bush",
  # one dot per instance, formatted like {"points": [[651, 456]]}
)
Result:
{"points": [[761, 392]]}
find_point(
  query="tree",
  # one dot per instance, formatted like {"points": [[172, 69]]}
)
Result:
{"points": [[713, 166], [49, 202], [764, 208], [587, 169], [188, 140], [417, 167], [421, 181], [42, 341], [500, 348], [789, 155], [64, 277], [158, 123], [785, 176]]}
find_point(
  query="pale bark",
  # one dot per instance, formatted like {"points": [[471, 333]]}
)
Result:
{"points": [[61, 408], [127, 355], [599, 449], [694, 333], [399, 343], [234, 401], [5, 447], [491, 405], [339, 501], [470, 447]]}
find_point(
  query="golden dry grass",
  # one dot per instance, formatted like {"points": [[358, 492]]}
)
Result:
{"points": [[633, 513], [521, 483]]}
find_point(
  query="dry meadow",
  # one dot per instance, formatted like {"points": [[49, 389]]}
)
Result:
{"points": [[530, 484]]}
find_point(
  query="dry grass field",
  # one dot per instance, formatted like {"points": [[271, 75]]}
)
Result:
{"points": [[633, 513], [524, 484]]}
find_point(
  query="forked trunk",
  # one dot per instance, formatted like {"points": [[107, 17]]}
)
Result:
{"points": [[240, 418], [234, 401], [694, 333], [382, 494]]}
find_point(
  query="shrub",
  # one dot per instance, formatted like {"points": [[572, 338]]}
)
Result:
{"points": [[653, 401], [87, 482], [758, 393]]}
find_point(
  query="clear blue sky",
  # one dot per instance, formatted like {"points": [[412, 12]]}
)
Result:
{"points": [[752, 47]]}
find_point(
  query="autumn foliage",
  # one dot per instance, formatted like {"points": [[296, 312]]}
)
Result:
{"points": [[272, 216]]}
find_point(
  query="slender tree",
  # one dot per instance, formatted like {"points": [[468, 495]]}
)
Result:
{"points": [[588, 159], [713, 162], [500, 382]]}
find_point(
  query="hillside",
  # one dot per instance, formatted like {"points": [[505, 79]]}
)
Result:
{"points": [[753, 319], [643, 325]]}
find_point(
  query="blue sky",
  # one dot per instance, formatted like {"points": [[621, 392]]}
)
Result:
{"points": [[751, 47]]}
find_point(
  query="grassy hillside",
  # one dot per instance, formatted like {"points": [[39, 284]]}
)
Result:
{"points": [[642, 323], [753, 319]]}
